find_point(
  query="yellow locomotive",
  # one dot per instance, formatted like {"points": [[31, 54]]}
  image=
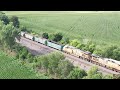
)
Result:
{"points": [[85, 55]]}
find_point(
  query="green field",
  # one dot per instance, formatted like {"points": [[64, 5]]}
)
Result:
{"points": [[12, 69], [102, 28]]}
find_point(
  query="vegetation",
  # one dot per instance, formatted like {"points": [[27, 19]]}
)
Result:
{"points": [[64, 68], [4, 18], [101, 28], [15, 21], [7, 35], [11, 68], [112, 52], [54, 65], [56, 37], [94, 74], [77, 73], [87, 47], [45, 35]]}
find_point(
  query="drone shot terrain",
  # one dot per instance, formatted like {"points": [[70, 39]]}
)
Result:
{"points": [[59, 45]]}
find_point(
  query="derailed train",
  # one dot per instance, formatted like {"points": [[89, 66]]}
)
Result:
{"points": [[85, 55]]}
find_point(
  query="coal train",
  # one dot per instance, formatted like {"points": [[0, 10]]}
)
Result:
{"points": [[84, 55]]}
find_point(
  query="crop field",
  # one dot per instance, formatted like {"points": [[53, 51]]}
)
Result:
{"points": [[102, 28], [12, 69]]}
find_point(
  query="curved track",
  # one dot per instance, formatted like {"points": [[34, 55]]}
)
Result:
{"points": [[40, 49]]}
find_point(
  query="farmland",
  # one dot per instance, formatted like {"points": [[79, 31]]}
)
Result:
{"points": [[10, 68], [101, 28]]}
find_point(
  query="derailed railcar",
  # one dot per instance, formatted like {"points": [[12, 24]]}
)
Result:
{"points": [[55, 45]]}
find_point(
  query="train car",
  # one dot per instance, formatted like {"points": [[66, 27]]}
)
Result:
{"points": [[87, 55], [36, 39], [22, 33], [102, 62], [29, 36], [79, 53], [42, 41], [55, 45], [117, 66], [114, 65], [68, 49], [95, 58]]}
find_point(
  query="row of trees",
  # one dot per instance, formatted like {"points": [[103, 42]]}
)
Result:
{"points": [[109, 52], [56, 66], [6, 20]]}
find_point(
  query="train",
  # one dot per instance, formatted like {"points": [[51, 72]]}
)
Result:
{"points": [[84, 55]]}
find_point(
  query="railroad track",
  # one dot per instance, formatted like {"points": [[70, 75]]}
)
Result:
{"points": [[40, 48]]}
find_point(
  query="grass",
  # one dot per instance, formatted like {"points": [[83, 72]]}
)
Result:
{"points": [[102, 28], [10, 68]]}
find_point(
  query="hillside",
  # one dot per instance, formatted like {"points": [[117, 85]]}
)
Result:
{"points": [[10, 68]]}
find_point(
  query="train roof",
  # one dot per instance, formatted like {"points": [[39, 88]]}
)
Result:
{"points": [[70, 47], [94, 55], [112, 60], [53, 42], [87, 52], [118, 62]]}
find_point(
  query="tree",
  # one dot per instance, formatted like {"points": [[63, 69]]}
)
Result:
{"points": [[56, 37], [89, 47], [93, 74], [108, 77], [51, 37], [15, 21], [74, 42], [112, 52], [92, 47], [4, 18], [98, 52], [8, 34], [30, 57], [65, 41], [116, 54], [23, 28], [80, 46], [64, 68], [77, 73], [45, 35], [116, 76], [93, 71], [53, 64]]}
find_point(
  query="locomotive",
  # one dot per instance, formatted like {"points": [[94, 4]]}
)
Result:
{"points": [[85, 55]]}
